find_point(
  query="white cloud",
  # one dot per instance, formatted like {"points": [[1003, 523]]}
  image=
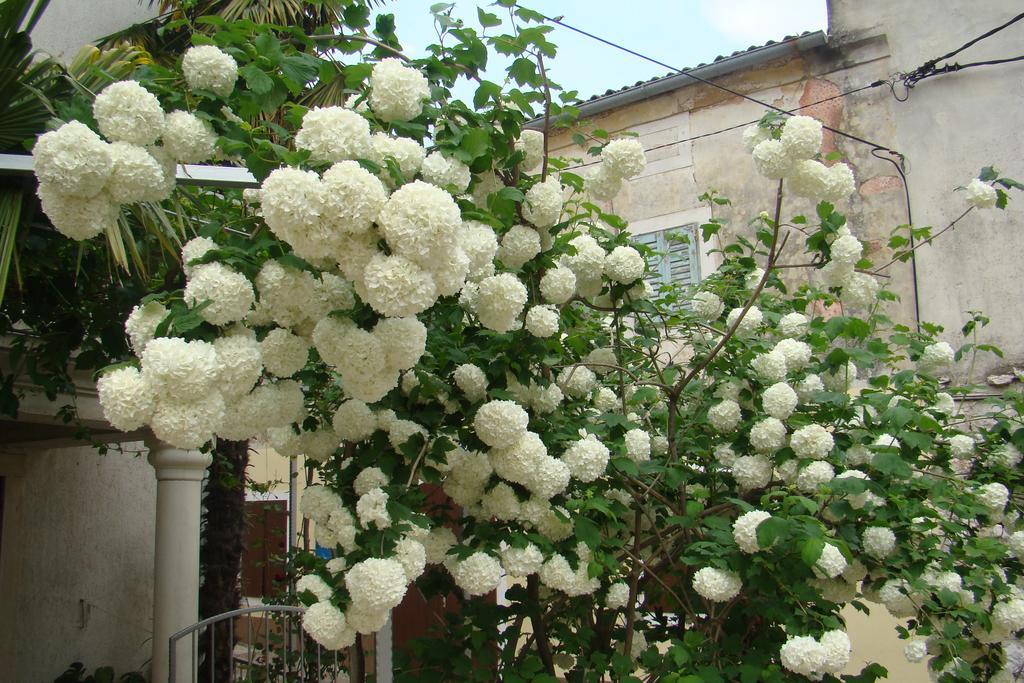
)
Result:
{"points": [[753, 22]]}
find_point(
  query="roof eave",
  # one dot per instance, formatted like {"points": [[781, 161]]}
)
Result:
{"points": [[746, 60]]}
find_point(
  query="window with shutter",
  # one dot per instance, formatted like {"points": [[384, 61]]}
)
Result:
{"points": [[676, 258]]}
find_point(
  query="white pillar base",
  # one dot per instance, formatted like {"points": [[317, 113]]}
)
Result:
{"points": [[176, 563]]}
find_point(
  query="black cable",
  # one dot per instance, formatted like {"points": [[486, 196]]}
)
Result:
{"points": [[767, 105], [931, 68], [748, 123]]}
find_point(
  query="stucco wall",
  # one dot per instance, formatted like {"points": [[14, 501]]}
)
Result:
{"points": [[67, 25], [949, 128], [76, 562]]}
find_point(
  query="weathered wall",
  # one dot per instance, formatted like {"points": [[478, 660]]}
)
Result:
{"points": [[949, 128], [76, 565], [67, 25]]}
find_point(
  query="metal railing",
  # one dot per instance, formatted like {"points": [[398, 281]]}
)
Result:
{"points": [[265, 643]]}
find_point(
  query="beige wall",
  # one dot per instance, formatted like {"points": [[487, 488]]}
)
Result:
{"points": [[67, 25], [76, 561]]}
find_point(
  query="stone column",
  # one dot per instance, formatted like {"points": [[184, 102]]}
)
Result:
{"points": [[179, 477]]}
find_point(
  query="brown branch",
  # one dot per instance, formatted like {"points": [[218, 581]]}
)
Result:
{"points": [[905, 254], [539, 629], [547, 115]]}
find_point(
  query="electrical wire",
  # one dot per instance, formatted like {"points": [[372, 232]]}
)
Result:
{"points": [[767, 105], [931, 68], [747, 123]]}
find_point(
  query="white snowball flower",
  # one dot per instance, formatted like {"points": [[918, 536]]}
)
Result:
{"points": [[531, 144], [180, 370], [836, 644], [394, 286], [797, 353], [443, 171], [229, 293], [878, 542], [586, 459], [831, 563], [369, 478], [1006, 455], [407, 153], [420, 221], [1009, 615], [803, 655], [351, 198], [78, 218], [142, 322], [354, 421], [752, 471], [753, 135], [402, 340], [333, 134], [207, 67], [769, 367], [500, 301], [707, 305], [284, 353], [437, 543], [771, 160], [847, 250], [961, 446], [500, 424], [372, 508], [520, 562], [811, 441], [809, 387], [624, 265], [135, 175], [376, 584], [411, 554], [779, 400], [994, 496], [543, 204], [638, 445], [936, 358], [126, 398], [577, 381], [725, 416], [815, 474], [944, 403], [520, 244], [602, 184], [326, 624], [793, 325], [716, 585], [478, 574], [72, 158], [744, 530], [472, 381], [618, 596], [558, 285], [605, 400], [315, 585], [187, 138], [542, 321], [808, 178], [127, 112], [624, 157], [397, 92], [980, 194], [480, 244], [188, 425], [860, 290], [916, 650], [839, 183], [768, 435], [240, 364], [801, 137], [751, 321]]}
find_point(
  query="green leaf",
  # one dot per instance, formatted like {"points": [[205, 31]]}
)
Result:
{"points": [[256, 79], [811, 551], [588, 532], [487, 19], [475, 143], [771, 530]]}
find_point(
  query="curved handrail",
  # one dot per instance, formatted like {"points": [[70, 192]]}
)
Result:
{"points": [[297, 609]]}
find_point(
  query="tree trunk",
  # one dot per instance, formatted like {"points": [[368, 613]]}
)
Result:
{"points": [[220, 555]]}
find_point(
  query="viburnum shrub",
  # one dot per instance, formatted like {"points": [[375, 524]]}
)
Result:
{"points": [[686, 484]]}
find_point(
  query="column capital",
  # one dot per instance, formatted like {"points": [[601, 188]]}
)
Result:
{"points": [[173, 463]]}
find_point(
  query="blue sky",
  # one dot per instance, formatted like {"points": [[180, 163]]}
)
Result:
{"points": [[681, 33]]}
